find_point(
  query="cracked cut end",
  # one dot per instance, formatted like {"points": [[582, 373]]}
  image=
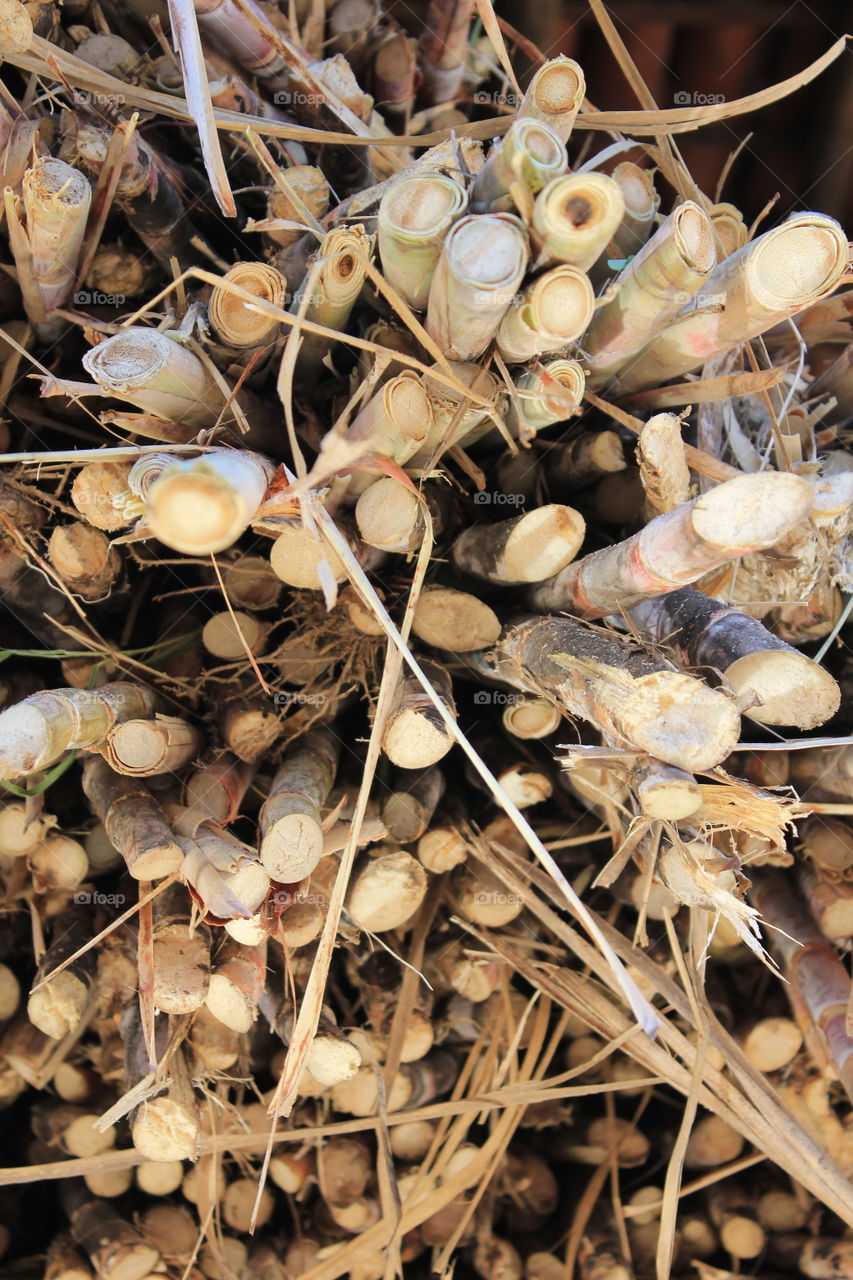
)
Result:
{"points": [[781, 686], [293, 846]]}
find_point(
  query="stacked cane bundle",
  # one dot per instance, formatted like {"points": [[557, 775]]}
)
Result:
{"points": [[411, 668]]}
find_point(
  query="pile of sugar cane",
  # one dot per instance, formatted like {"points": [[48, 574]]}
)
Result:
{"points": [[424, 544]]}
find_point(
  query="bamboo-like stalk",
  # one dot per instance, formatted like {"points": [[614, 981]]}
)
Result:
{"points": [[395, 422], [249, 729], [334, 288], [394, 72], [829, 844], [771, 1044], [59, 863], [585, 459], [386, 892], [388, 516], [665, 792], [454, 620], [37, 732], [164, 1127], [555, 95], [480, 269], [236, 325], [747, 294], [230, 28], [730, 229], [225, 876], [830, 902], [528, 548], [228, 634], [351, 24], [408, 808], [158, 374], [250, 583], [237, 985], [641, 205], [454, 420], [528, 156], [289, 822], [575, 217], [202, 505], [141, 748], [95, 490], [656, 284], [415, 215], [181, 952], [751, 512], [774, 684], [631, 696], [116, 1249], [414, 735], [216, 789], [57, 1006], [548, 315], [56, 199], [307, 190], [819, 988], [551, 392], [664, 473], [530, 717], [116, 272], [444, 49], [298, 557], [85, 560], [147, 191], [441, 849], [135, 824], [732, 1212]]}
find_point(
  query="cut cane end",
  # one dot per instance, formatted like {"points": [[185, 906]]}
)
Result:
{"points": [[163, 1130], [194, 514], [751, 512], [784, 687], [680, 721], [415, 741], [544, 542], [292, 848]]}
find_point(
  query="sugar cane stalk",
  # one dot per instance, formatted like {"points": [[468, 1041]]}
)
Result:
{"points": [[749, 513]]}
